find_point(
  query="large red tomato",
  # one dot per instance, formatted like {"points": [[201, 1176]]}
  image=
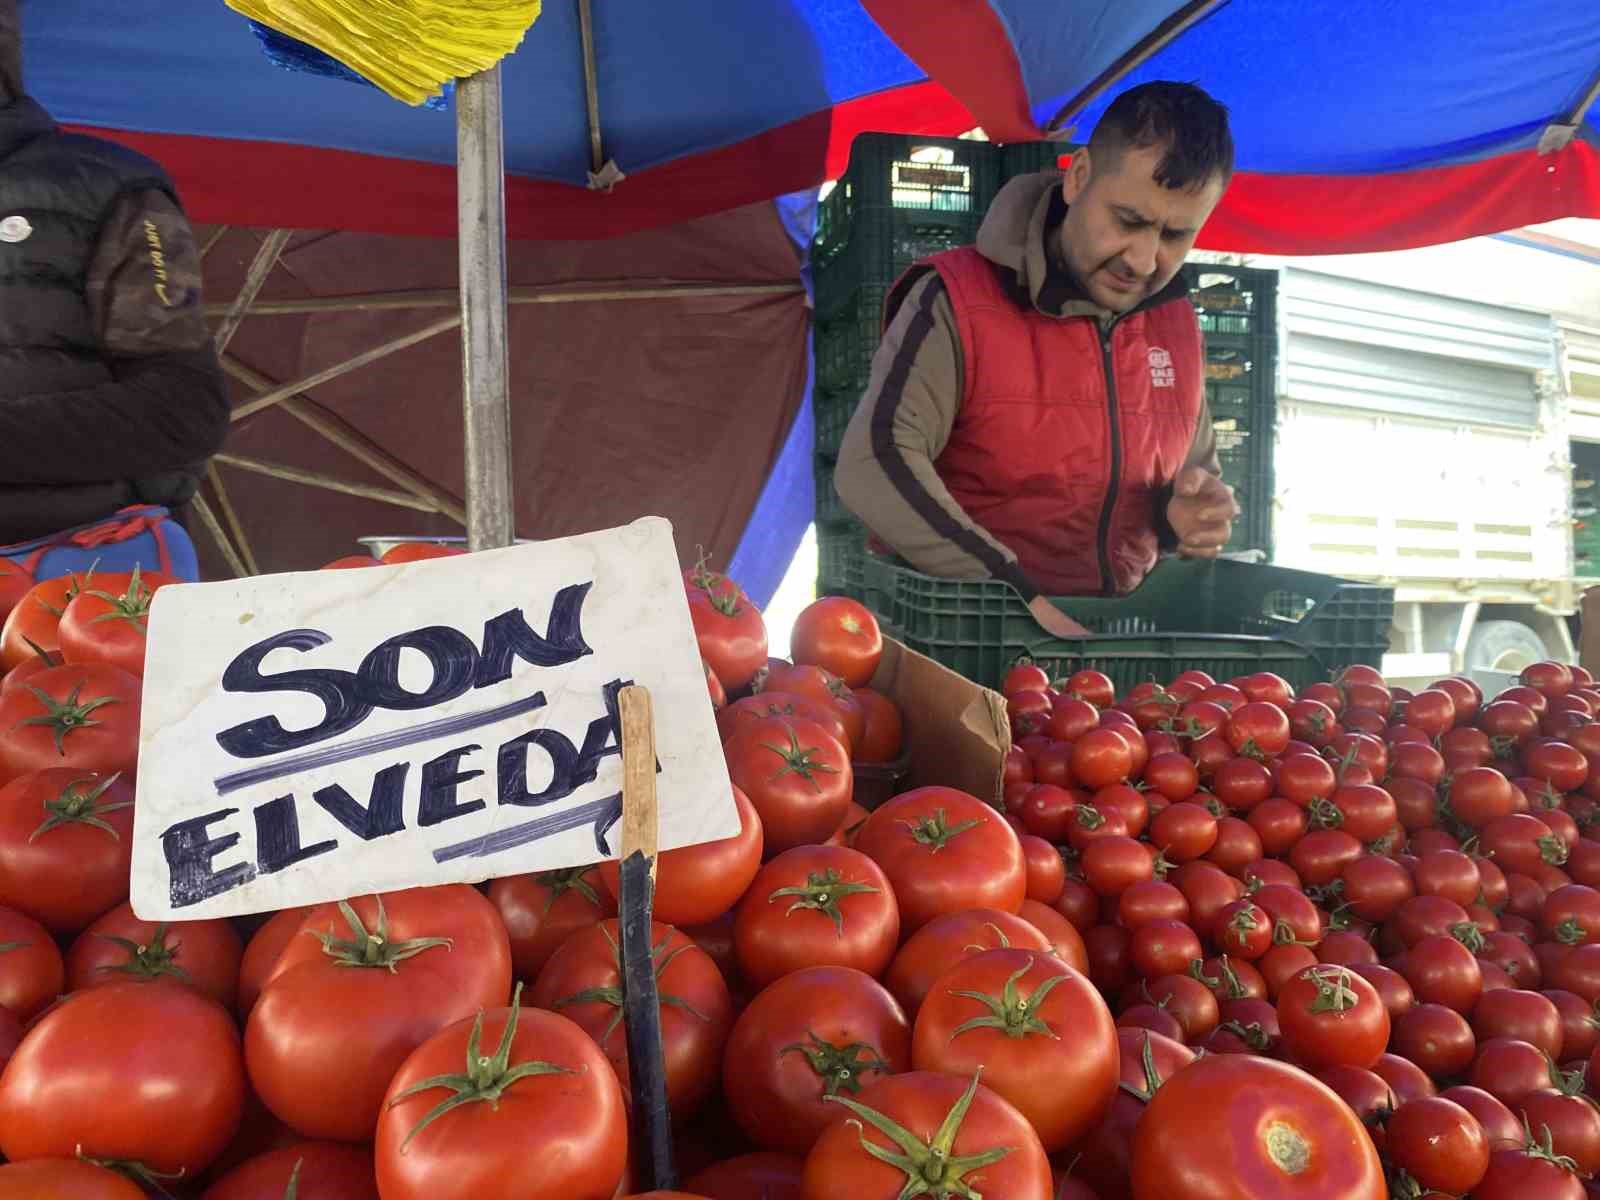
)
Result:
{"points": [[119, 946], [106, 622], [516, 1102], [1523, 1173], [1237, 1127], [409, 962], [1145, 1060], [823, 1031], [941, 1133], [137, 1072], [261, 953], [31, 969], [32, 626], [583, 981], [697, 884], [798, 777], [945, 941], [883, 739], [840, 635], [729, 628], [15, 583], [409, 552], [1042, 1036], [1330, 1016], [1066, 943], [944, 851], [320, 1171], [66, 846], [59, 1178], [816, 906], [747, 710], [85, 718], [543, 910]]}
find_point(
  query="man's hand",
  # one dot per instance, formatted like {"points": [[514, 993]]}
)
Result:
{"points": [[1054, 620], [1201, 513]]}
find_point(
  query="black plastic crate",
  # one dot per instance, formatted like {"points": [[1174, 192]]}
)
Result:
{"points": [[841, 554], [1226, 618], [901, 199]]}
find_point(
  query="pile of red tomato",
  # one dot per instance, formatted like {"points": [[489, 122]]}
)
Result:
{"points": [[1217, 940], [1392, 893]]}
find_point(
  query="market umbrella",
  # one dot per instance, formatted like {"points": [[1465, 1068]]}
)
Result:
{"points": [[1361, 125]]}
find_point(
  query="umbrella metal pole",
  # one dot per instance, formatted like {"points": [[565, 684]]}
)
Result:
{"points": [[485, 392]]}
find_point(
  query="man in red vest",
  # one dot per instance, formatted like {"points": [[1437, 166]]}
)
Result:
{"points": [[1036, 411]]}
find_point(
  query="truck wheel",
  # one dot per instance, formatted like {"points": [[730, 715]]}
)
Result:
{"points": [[1503, 646]]}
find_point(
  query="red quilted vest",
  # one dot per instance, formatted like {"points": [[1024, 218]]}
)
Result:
{"points": [[1047, 457]]}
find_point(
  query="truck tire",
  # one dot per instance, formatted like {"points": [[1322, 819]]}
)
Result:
{"points": [[1503, 646]]}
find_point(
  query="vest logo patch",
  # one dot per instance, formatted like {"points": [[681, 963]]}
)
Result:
{"points": [[1162, 373], [15, 229]]}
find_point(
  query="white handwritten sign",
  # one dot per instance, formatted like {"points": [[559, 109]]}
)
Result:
{"points": [[311, 737]]}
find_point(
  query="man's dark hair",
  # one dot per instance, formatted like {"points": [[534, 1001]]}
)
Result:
{"points": [[1190, 124]]}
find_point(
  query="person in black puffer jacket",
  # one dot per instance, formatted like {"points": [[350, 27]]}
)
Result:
{"points": [[110, 391]]}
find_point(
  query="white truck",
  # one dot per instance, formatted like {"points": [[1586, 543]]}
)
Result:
{"points": [[1427, 442]]}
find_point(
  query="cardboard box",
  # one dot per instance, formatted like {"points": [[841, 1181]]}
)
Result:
{"points": [[957, 733]]}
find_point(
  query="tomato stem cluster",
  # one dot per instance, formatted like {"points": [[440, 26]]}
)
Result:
{"points": [[822, 892], [839, 1067], [486, 1078], [1012, 1013], [374, 949], [930, 1167], [76, 806]]}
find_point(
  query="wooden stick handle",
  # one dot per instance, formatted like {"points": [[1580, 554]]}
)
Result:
{"points": [[639, 816]]}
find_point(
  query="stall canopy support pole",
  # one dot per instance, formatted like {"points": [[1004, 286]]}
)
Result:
{"points": [[1141, 51], [1558, 135], [486, 368]]}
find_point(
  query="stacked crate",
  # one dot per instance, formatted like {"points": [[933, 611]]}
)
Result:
{"points": [[903, 198]]}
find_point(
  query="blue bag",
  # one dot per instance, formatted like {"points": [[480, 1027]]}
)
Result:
{"points": [[143, 535]]}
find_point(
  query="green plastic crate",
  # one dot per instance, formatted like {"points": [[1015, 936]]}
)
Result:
{"points": [[1028, 158], [1234, 300], [841, 560], [832, 410], [845, 341], [1226, 618], [830, 510]]}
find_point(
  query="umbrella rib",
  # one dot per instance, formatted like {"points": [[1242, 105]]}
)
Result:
{"points": [[278, 395], [328, 482], [266, 258], [352, 441], [591, 86], [214, 528], [1140, 52], [1558, 135], [231, 515]]}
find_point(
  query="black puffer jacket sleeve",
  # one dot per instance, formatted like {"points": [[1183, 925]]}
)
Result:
{"points": [[162, 405]]}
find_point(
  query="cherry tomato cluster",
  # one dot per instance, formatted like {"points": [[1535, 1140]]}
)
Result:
{"points": [[1395, 893]]}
